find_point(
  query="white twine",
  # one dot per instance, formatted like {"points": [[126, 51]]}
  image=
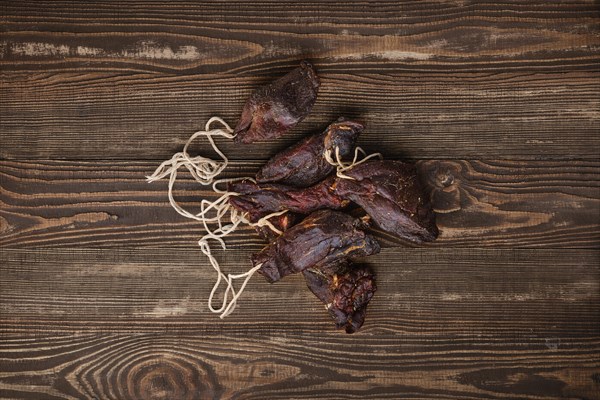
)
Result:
{"points": [[205, 170], [341, 166]]}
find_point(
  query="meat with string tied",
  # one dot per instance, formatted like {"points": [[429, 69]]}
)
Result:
{"points": [[324, 238], [391, 194], [304, 163]]}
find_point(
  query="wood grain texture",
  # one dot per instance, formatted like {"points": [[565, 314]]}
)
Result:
{"points": [[103, 290], [461, 79], [216, 37], [425, 115], [168, 366], [480, 203], [451, 323], [420, 291]]}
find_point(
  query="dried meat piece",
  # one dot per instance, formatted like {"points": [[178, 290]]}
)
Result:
{"points": [[390, 192], [281, 222], [304, 163], [275, 108], [345, 290], [325, 237], [258, 200]]}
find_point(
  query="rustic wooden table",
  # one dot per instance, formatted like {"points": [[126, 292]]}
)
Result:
{"points": [[103, 289]]}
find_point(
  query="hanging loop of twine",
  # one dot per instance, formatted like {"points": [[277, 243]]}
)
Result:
{"points": [[204, 170]]}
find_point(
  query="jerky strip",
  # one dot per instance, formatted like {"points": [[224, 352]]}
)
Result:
{"points": [[345, 290], [325, 237], [260, 200], [281, 222], [390, 192], [277, 107], [304, 163]]}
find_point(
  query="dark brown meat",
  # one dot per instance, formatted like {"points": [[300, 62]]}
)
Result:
{"points": [[345, 290], [259, 200], [304, 164], [390, 192], [282, 222], [277, 107], [325, 237]]}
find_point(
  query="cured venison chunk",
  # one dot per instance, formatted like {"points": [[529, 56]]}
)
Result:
{"points": [[304, 163], [345, 290], [259, 200], [276, 108], [281, 222], [390, 192], [323, 238]]}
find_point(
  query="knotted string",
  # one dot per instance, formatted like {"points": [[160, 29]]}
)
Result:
{"points": [[341, 167], [204, 170]]}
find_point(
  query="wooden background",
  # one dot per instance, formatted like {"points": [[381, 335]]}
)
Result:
{"points": [[103, 289]]}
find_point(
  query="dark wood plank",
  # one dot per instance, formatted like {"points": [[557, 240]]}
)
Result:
{"points": [[102, 288], [451, 323], [424, 115], [167, 366], [506, 80], [259, 36], [459, 292], [480, 203]]}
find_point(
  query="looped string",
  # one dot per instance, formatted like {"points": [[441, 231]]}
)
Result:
{"points": [[341, 166], [205, 170]]}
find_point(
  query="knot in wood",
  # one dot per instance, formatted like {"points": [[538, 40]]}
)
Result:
{"points": [[167, 376]]}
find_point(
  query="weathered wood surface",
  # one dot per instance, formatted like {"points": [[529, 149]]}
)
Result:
{"points": [[479, 203], [460, 80], [453, 323], [423, 115], [420, 291], [242, 38], [103, 290]]}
